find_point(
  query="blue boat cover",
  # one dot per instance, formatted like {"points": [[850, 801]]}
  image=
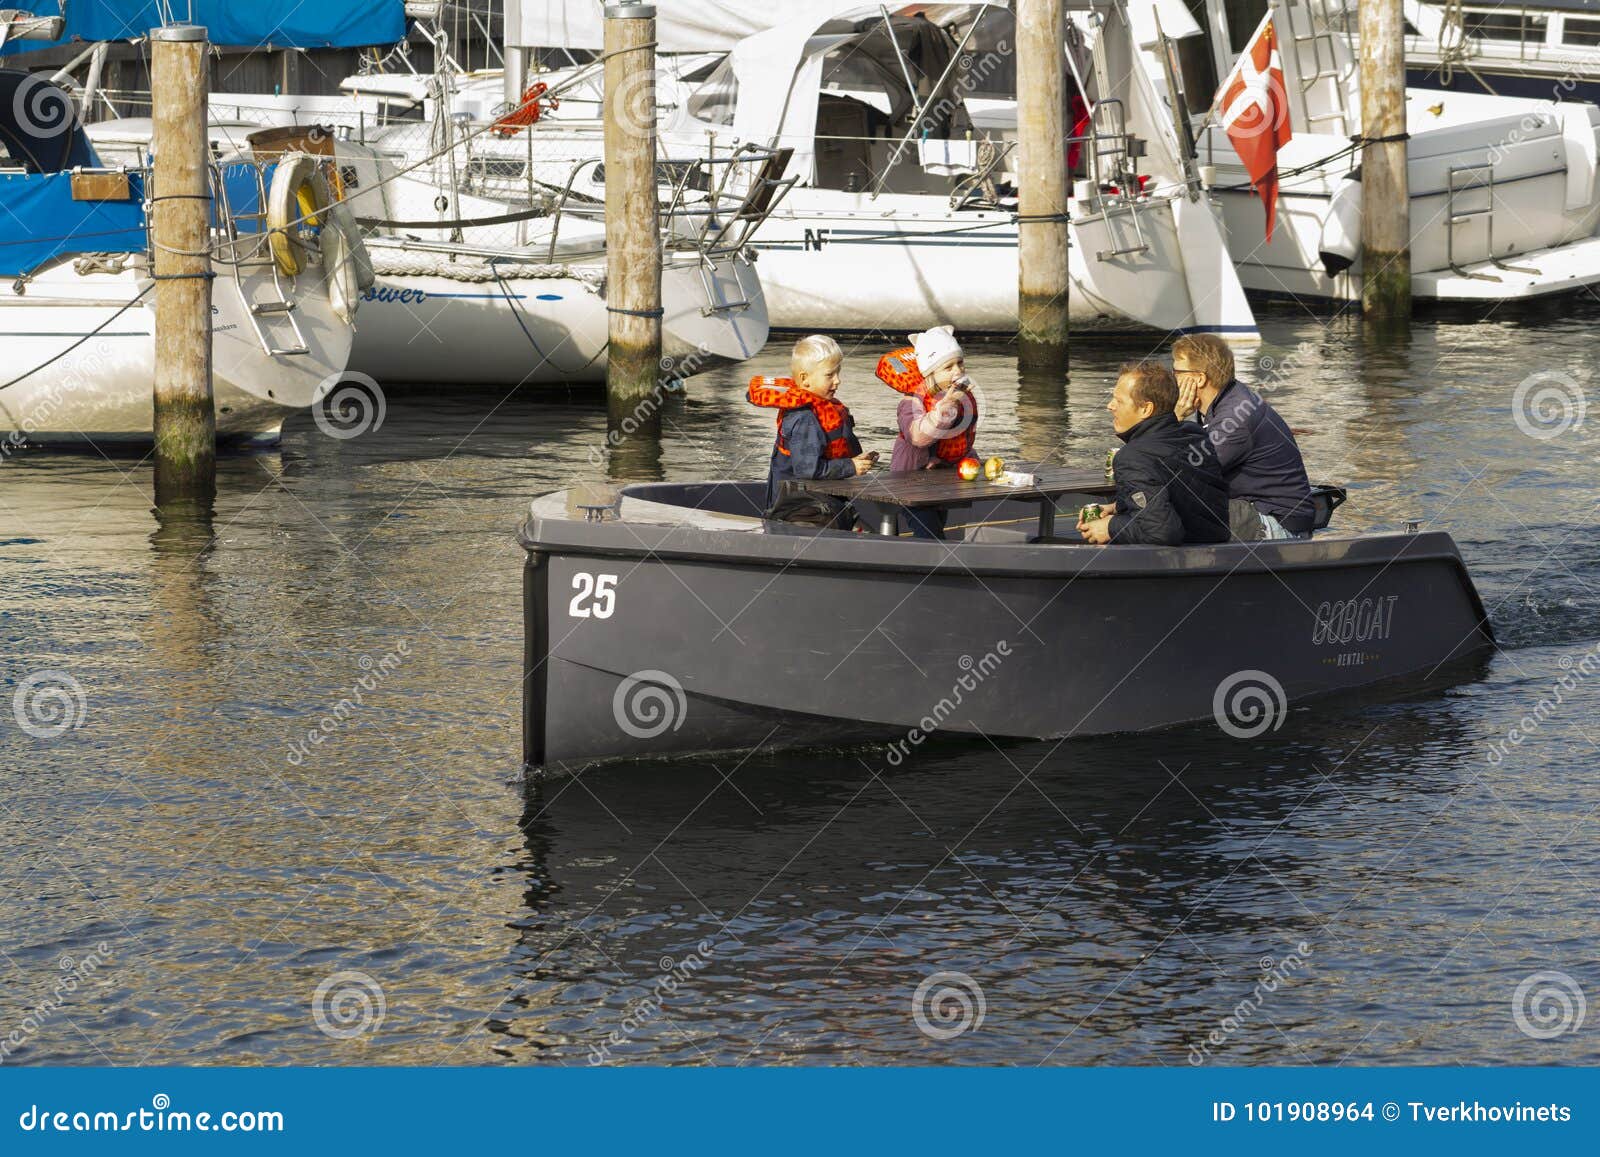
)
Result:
{"points": [[43, 222], [229, 23]]}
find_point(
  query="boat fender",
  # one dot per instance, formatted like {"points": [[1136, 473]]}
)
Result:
{"points": [[298, 198], [1340, 244], [345, 221], [339, 265]]}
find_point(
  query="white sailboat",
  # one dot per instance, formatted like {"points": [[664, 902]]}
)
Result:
{"points": [[77, 305], [904, 211]]}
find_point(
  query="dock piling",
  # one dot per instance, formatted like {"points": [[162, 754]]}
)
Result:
{"points": [[633, 245], [185, 422], [1042, 232], [1385, 195]]}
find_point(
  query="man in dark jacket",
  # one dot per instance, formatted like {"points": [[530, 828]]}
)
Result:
{"points": [[1169, 491], [1254, 446]]}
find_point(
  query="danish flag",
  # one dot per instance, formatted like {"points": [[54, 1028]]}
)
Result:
{"points": [[1255, 114]]}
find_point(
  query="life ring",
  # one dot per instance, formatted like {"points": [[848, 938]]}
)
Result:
{"points": [[298, 198], [1340, 243]]}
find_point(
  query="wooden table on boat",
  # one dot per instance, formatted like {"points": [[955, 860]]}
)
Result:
{"points": [[941, 489]]}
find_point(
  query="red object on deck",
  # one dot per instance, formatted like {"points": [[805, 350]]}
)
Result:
{"points": [[528, 111]]}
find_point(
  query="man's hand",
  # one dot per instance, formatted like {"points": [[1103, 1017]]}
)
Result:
{"points": [[1097, 532], [864, 462], [1188, 395]]}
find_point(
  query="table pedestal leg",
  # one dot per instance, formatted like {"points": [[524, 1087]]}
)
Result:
{"points": [[888, 522], [1047, 518]]}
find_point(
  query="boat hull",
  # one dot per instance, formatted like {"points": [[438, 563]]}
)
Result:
{"points": [[92, 348], [510, 330], [845, 262], [711, 640]]}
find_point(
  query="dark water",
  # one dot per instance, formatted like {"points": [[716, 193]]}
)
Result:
{"points": [[186, 867]]}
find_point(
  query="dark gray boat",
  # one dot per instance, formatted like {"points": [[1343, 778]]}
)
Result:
{"points": [[681, 622]]}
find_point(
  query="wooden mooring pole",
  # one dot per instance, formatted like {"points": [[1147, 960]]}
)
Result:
{"points": [[1042, 276], [633, 244], [1385, 192], [180, 229]]}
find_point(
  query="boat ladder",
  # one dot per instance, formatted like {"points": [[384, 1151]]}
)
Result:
{"points": [[1322, 24], [279, 305], [1473, 179], [1111, 154]]}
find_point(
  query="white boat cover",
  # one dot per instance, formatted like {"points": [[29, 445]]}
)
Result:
{"points": [[681, 25]]}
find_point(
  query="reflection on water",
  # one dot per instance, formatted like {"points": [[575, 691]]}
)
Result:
{"points": [[290, 767]]}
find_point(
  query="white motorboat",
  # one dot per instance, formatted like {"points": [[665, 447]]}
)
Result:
{"points": [[1504, 200], [77, 304]]}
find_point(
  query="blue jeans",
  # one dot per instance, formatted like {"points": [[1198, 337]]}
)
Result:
{"points": [[926, 523]]}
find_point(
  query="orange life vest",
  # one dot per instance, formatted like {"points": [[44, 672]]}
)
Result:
{"points": [[898, 370], [783, 395]]}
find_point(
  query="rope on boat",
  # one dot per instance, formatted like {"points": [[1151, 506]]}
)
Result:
{"points": [[394, 262]]}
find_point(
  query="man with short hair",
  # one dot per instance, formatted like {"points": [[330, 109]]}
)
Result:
{"points": [[1267, 484], [1169, 490]]}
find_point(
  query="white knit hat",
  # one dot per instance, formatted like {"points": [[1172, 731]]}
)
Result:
{"points": [[936, 348]]}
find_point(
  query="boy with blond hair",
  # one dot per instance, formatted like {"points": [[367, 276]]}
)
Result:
{"points": [[816, 436]]}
